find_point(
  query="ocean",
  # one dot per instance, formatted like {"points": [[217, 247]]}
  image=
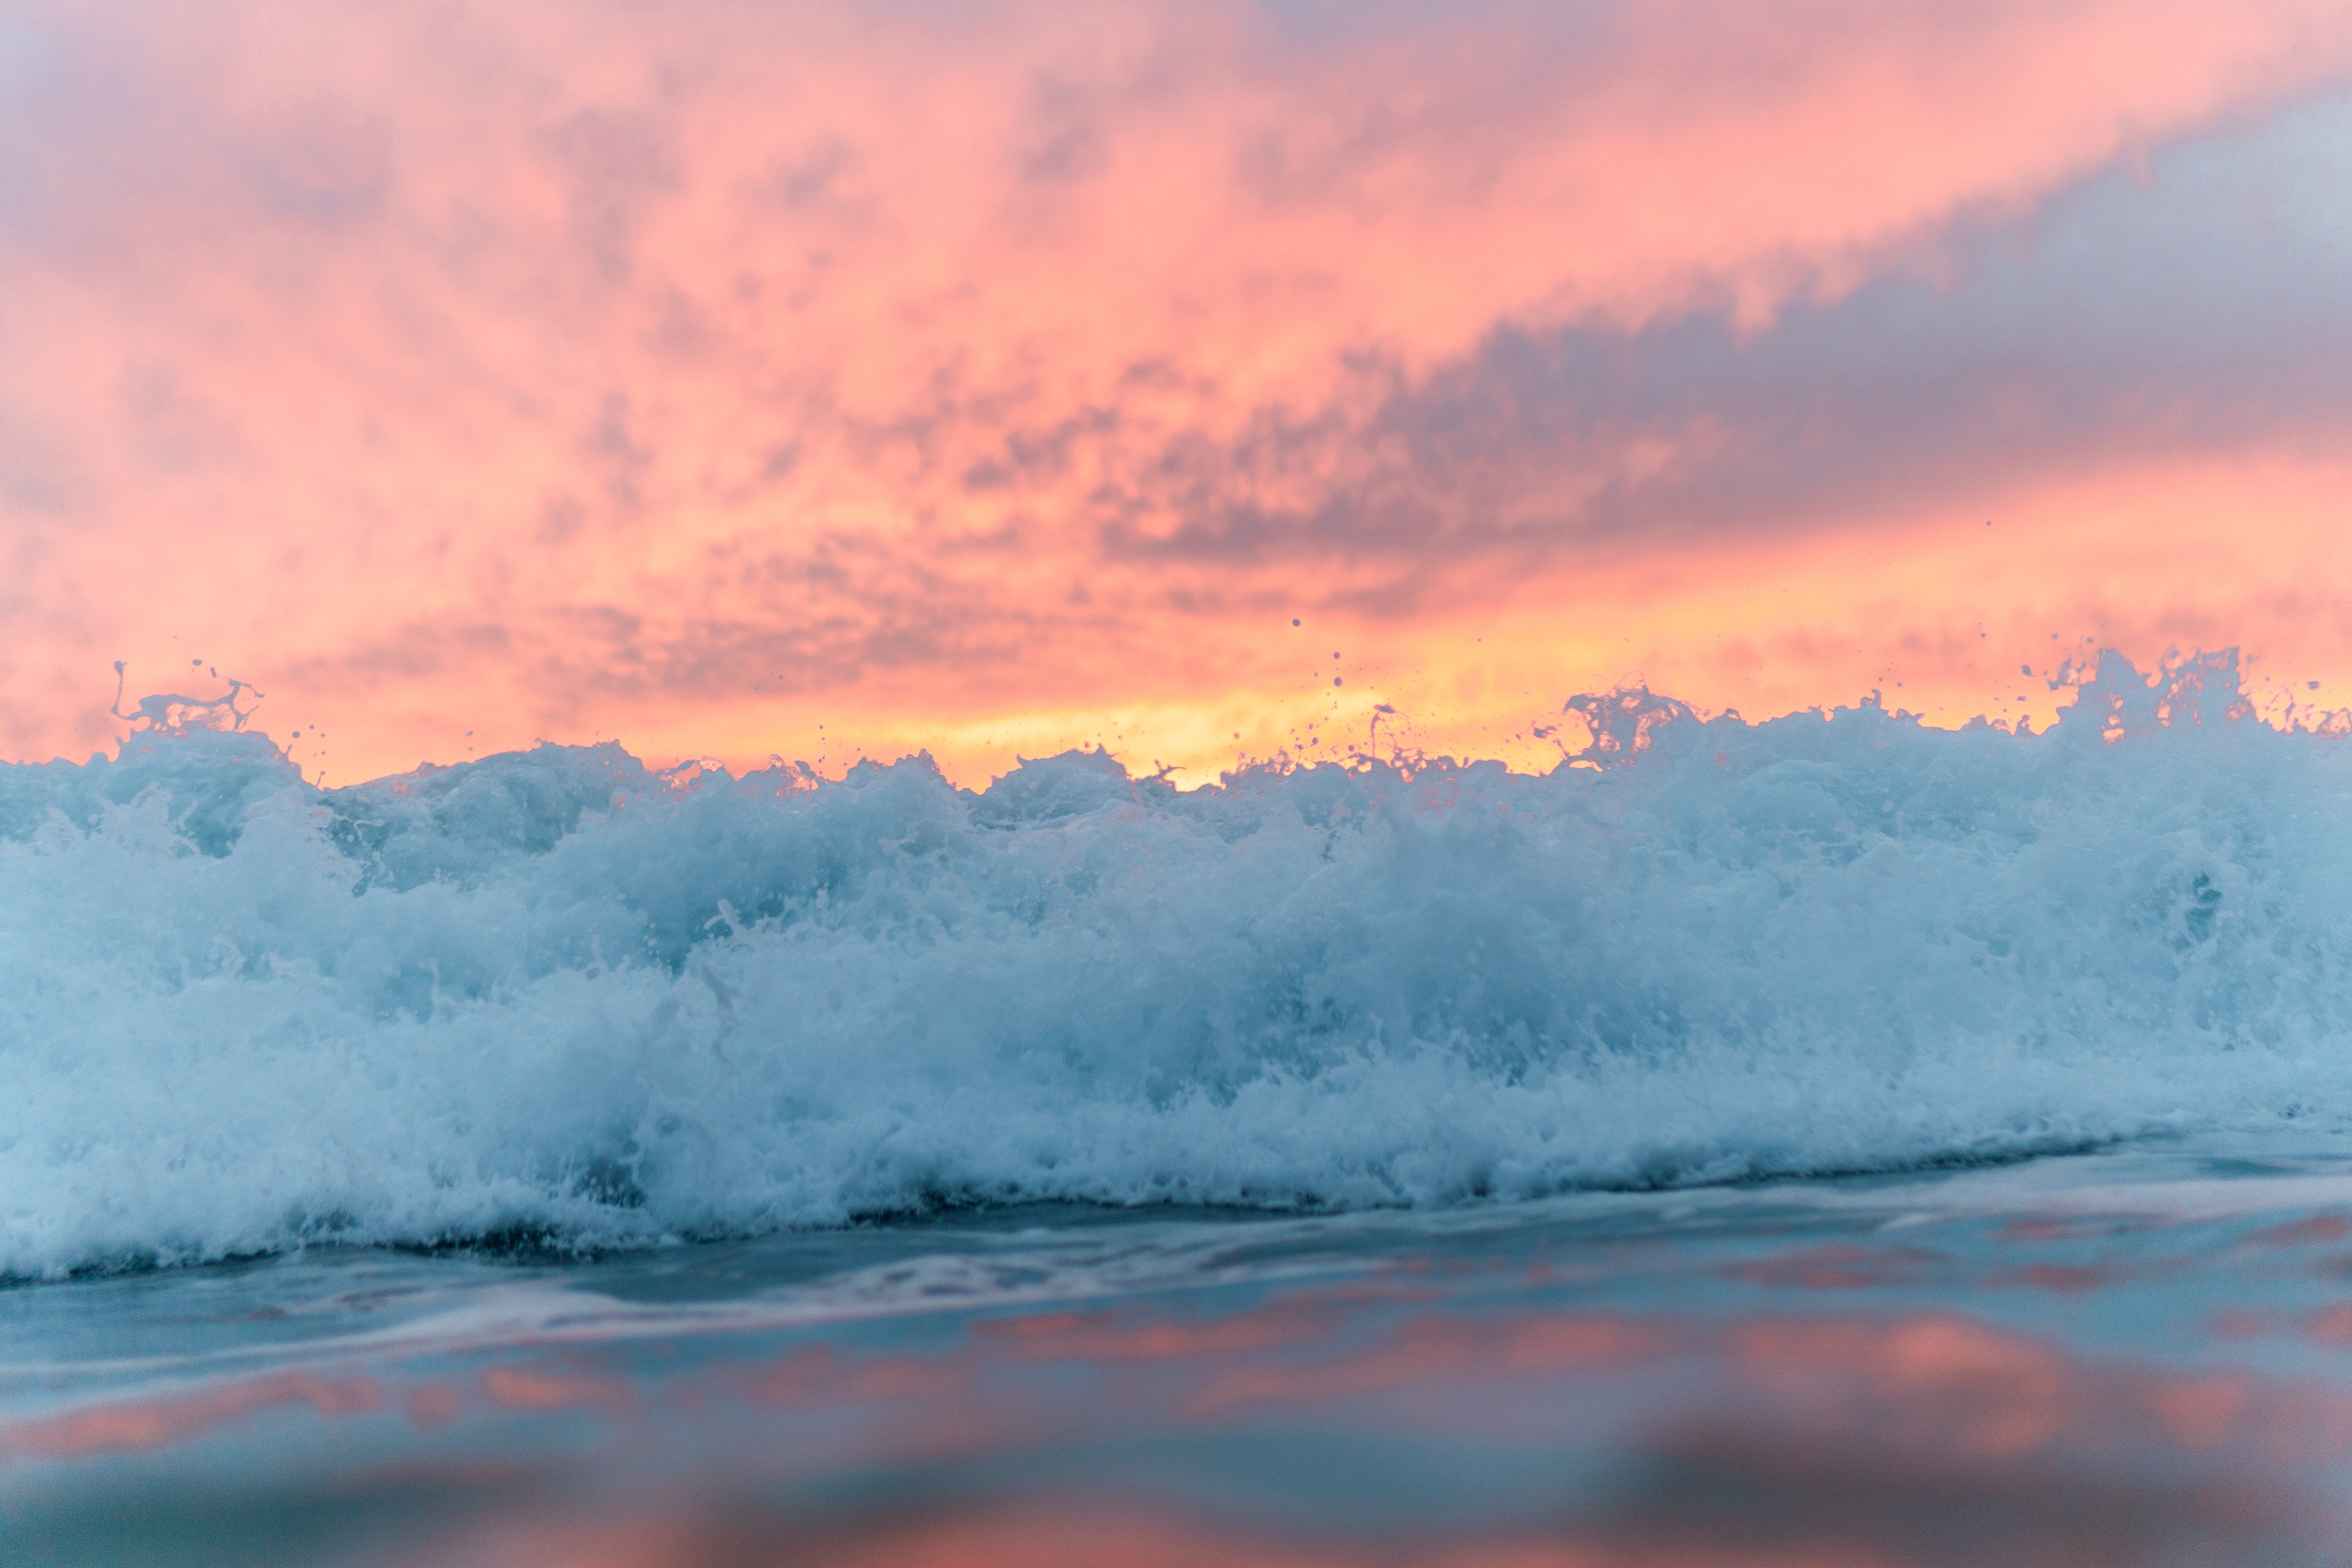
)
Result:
{"points": [[1827, 1141]]}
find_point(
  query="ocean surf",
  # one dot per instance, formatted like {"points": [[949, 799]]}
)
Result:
{"points": [[557, 1000]]}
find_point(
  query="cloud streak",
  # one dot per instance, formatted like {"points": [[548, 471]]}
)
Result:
{"points": [[2191, 309]]}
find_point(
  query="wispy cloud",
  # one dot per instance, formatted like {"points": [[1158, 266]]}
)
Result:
{"points": [[907, 349], [2189, 303]]}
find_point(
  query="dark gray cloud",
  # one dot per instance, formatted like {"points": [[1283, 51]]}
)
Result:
{"points": [[2198, 305]]}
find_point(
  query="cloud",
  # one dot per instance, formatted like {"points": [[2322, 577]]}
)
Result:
{"points": [[2192, 306], [913, 347]]}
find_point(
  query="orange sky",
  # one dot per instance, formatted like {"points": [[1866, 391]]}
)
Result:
{"points": [[994, 378]]}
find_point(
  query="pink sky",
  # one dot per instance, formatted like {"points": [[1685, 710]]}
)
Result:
{"points": [[998, 378]]}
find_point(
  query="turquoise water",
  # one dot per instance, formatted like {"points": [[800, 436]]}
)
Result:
{"points": [[554, 993], [2127, 1358], [1828, 1140]]}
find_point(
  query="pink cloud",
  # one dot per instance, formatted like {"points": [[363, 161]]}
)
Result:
{"points": [[545, 366]]}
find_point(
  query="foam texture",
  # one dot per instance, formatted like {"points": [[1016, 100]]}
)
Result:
{"points": [[553, 994]]}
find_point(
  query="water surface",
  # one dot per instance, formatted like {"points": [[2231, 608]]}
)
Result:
{"points": [[2141, 1357]]}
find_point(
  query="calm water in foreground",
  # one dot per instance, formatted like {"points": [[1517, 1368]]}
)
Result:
{"points": [[2127, 1358]]}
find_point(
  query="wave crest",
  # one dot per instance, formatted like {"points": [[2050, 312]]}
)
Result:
{"points": [[556, 993]]}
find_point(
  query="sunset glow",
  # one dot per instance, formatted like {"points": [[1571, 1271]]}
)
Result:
{"points": [[852, 379]]}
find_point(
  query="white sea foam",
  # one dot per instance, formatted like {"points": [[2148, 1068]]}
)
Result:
{"points": [[554, 994]]}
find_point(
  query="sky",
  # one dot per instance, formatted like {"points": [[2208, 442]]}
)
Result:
{"points": [[1198, 379]]}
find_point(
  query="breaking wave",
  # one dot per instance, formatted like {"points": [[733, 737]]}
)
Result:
{"points": [[553, 994]]}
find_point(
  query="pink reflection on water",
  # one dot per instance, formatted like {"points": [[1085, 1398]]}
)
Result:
{"points": [[1446, 1348], [1085, 1536], [1088, 1536], [159, 1422], [817, 1375], [1841, 1266], [1897, 1441], [2319, 1230], [1943, 1377], [536, 1391], [1128, 1337], [2065, 1279]]}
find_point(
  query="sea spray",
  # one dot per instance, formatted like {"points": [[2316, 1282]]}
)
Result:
{"points": [[554, 994]]}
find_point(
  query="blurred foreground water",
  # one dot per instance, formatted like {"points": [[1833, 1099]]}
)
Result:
{"points": [[2141, 1357]]}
